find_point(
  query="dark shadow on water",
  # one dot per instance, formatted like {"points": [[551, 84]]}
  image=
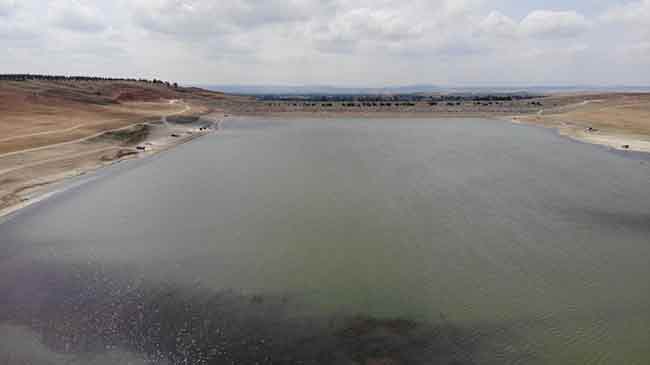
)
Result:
{"points": [[638, 222], [86, 309]]}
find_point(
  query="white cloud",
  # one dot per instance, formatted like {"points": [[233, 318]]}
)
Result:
{"points": [[554, 24], [498, 24], [345, 31], [637, 52], [557, 53], [380, 24], [361, 41], [389, 26], [76, 15], [541, 24], [7, 7], [16, 32], [196, 18], [180, 19], [633, 13]]}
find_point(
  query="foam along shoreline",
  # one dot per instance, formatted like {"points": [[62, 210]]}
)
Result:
{"points": [[161, 136]]}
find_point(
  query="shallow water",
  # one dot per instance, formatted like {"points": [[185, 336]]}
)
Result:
{"points": [[340, 241]]}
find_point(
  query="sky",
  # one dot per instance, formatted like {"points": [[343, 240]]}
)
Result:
{"points": [[333, 42]]}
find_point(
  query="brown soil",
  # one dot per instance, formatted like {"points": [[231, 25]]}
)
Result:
{"points": [[615, 120], [50, 130]]}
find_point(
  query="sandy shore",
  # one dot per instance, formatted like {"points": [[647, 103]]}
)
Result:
{"points": [[617, 121], [24, 184], [620, 142], [53, 130], [617, 141]]}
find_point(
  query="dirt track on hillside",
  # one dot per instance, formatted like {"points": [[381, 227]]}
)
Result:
{"points": [[46, 136]]}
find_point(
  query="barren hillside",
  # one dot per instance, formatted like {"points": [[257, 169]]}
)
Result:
{"points": [[51, 129]]}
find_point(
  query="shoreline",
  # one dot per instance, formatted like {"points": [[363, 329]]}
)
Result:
{"points": [[610, 139], [158, 141], [37, 190], [615, 140], [53, 129]]}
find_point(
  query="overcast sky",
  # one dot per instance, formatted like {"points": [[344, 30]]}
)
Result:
{"points": [[334, 42]]}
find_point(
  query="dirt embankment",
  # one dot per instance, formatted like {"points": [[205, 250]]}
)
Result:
{"points": [[51, 130]]}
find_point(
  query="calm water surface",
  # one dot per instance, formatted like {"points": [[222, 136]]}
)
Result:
{"points": [[339, 241]]}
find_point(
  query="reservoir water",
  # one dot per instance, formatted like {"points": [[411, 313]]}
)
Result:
{"points": [[348, 241]]}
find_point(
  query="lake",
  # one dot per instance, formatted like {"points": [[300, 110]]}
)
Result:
{"points": [[348, 241]]}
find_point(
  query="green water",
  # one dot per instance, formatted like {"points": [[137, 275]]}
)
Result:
{"points": [[536, 248]]}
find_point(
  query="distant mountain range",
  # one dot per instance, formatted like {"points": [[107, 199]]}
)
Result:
{"points": [[411, 89]]}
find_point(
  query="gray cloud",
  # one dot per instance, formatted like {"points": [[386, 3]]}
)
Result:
{"points": [[373, 24], [387, 25], [498, 24], [540, 24], [204, 18], [16, 32], [7, 7], [634, 17], [632, 13], [636, 52], [554, 24], [369, 42], [76, 15]]}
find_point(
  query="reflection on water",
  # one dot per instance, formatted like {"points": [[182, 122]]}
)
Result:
{"points": [[94, 313], [352, 242]]}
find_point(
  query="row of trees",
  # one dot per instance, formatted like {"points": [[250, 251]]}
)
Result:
{"points": [[400, 98], [26, 77]]}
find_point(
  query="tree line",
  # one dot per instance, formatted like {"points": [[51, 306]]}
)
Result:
{"points": [[398, 98], [26, 77]]}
